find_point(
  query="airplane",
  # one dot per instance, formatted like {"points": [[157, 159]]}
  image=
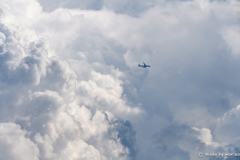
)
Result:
{"points": [[144, 65]]}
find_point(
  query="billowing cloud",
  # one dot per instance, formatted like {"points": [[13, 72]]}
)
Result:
{"points": [[15, 144], [69, 77], [46, 111]]}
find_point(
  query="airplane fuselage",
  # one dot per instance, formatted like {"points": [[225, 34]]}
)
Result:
{"points": [[144, 65]]}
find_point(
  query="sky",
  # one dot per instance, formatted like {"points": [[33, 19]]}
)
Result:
{"points": [[71, 88]]}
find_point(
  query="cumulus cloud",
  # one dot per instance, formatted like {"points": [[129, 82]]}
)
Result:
{"points": [[69, 77], [15, 143], [206, 136], [42, 103]]}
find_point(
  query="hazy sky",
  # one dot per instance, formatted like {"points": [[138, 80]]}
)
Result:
{"points": [[71, 88]]}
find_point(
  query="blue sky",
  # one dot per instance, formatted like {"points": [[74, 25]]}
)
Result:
{"points": [[71, 88]]}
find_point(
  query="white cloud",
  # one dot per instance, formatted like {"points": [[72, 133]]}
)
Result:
{"points": [[15, 144], [231, 35], [78, 149], [41, 94], [103, 92], [206, 136], [192, 78]]}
